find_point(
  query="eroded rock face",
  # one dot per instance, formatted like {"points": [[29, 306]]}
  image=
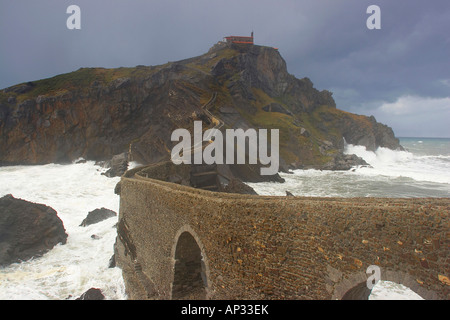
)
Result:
{"points": [[368, 132], [97, 120], [101, 113], [27, 230], [118, 165]]}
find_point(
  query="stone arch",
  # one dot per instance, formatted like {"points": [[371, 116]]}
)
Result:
{"points": [[190, 267], [351, 287], [354, 286], [358, 292]]}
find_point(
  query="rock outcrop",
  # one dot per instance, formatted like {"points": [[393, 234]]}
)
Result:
{"points": [[118, 165], [97, 215], [92, 294], [27, 230], [97, 113], [345, 162]]}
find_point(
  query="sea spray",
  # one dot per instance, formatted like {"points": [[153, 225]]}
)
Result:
{"points": [[395, 164], [425, 172], [71, 269], [74, 190]]}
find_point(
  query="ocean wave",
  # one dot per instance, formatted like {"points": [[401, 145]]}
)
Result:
{"points": [[82, 263], [66, 270], [396, 163]]}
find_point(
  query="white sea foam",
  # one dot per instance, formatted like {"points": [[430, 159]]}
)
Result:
{"points": [[392, 173], [395, 163], [388, 290], [82, 263]]}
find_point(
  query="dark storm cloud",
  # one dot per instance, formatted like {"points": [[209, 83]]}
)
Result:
{"points": [[325, 40]]}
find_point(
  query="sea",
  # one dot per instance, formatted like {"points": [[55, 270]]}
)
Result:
{"points": [[67, 271]]}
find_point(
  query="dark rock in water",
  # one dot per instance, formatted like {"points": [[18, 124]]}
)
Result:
{"points": [[27, 230], [288, 194], [119, 164], [345, 162], [97, 215], [92, 294]]}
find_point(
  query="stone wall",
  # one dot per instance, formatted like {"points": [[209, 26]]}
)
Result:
{"points": [[260, 247]]}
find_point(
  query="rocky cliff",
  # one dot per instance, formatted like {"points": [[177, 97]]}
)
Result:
{"points": [[96, 113]]}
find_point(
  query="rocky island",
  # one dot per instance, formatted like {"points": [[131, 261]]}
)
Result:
{"points": [[96, 113], [177, 240]]}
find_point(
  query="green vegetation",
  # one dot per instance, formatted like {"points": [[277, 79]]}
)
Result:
{"points": [[208, 60], [79, 80], [195, 79], [293, 145]]}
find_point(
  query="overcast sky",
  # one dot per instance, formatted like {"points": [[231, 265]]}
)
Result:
{"points": [[400, 73]]}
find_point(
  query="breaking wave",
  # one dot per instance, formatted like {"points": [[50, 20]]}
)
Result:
{"points": [[397, 164]]}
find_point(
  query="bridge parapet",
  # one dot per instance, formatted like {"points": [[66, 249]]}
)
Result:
{"points": [[262, 247]]}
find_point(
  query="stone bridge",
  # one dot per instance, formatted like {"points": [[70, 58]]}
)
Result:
{"points": [[178, 242]]}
